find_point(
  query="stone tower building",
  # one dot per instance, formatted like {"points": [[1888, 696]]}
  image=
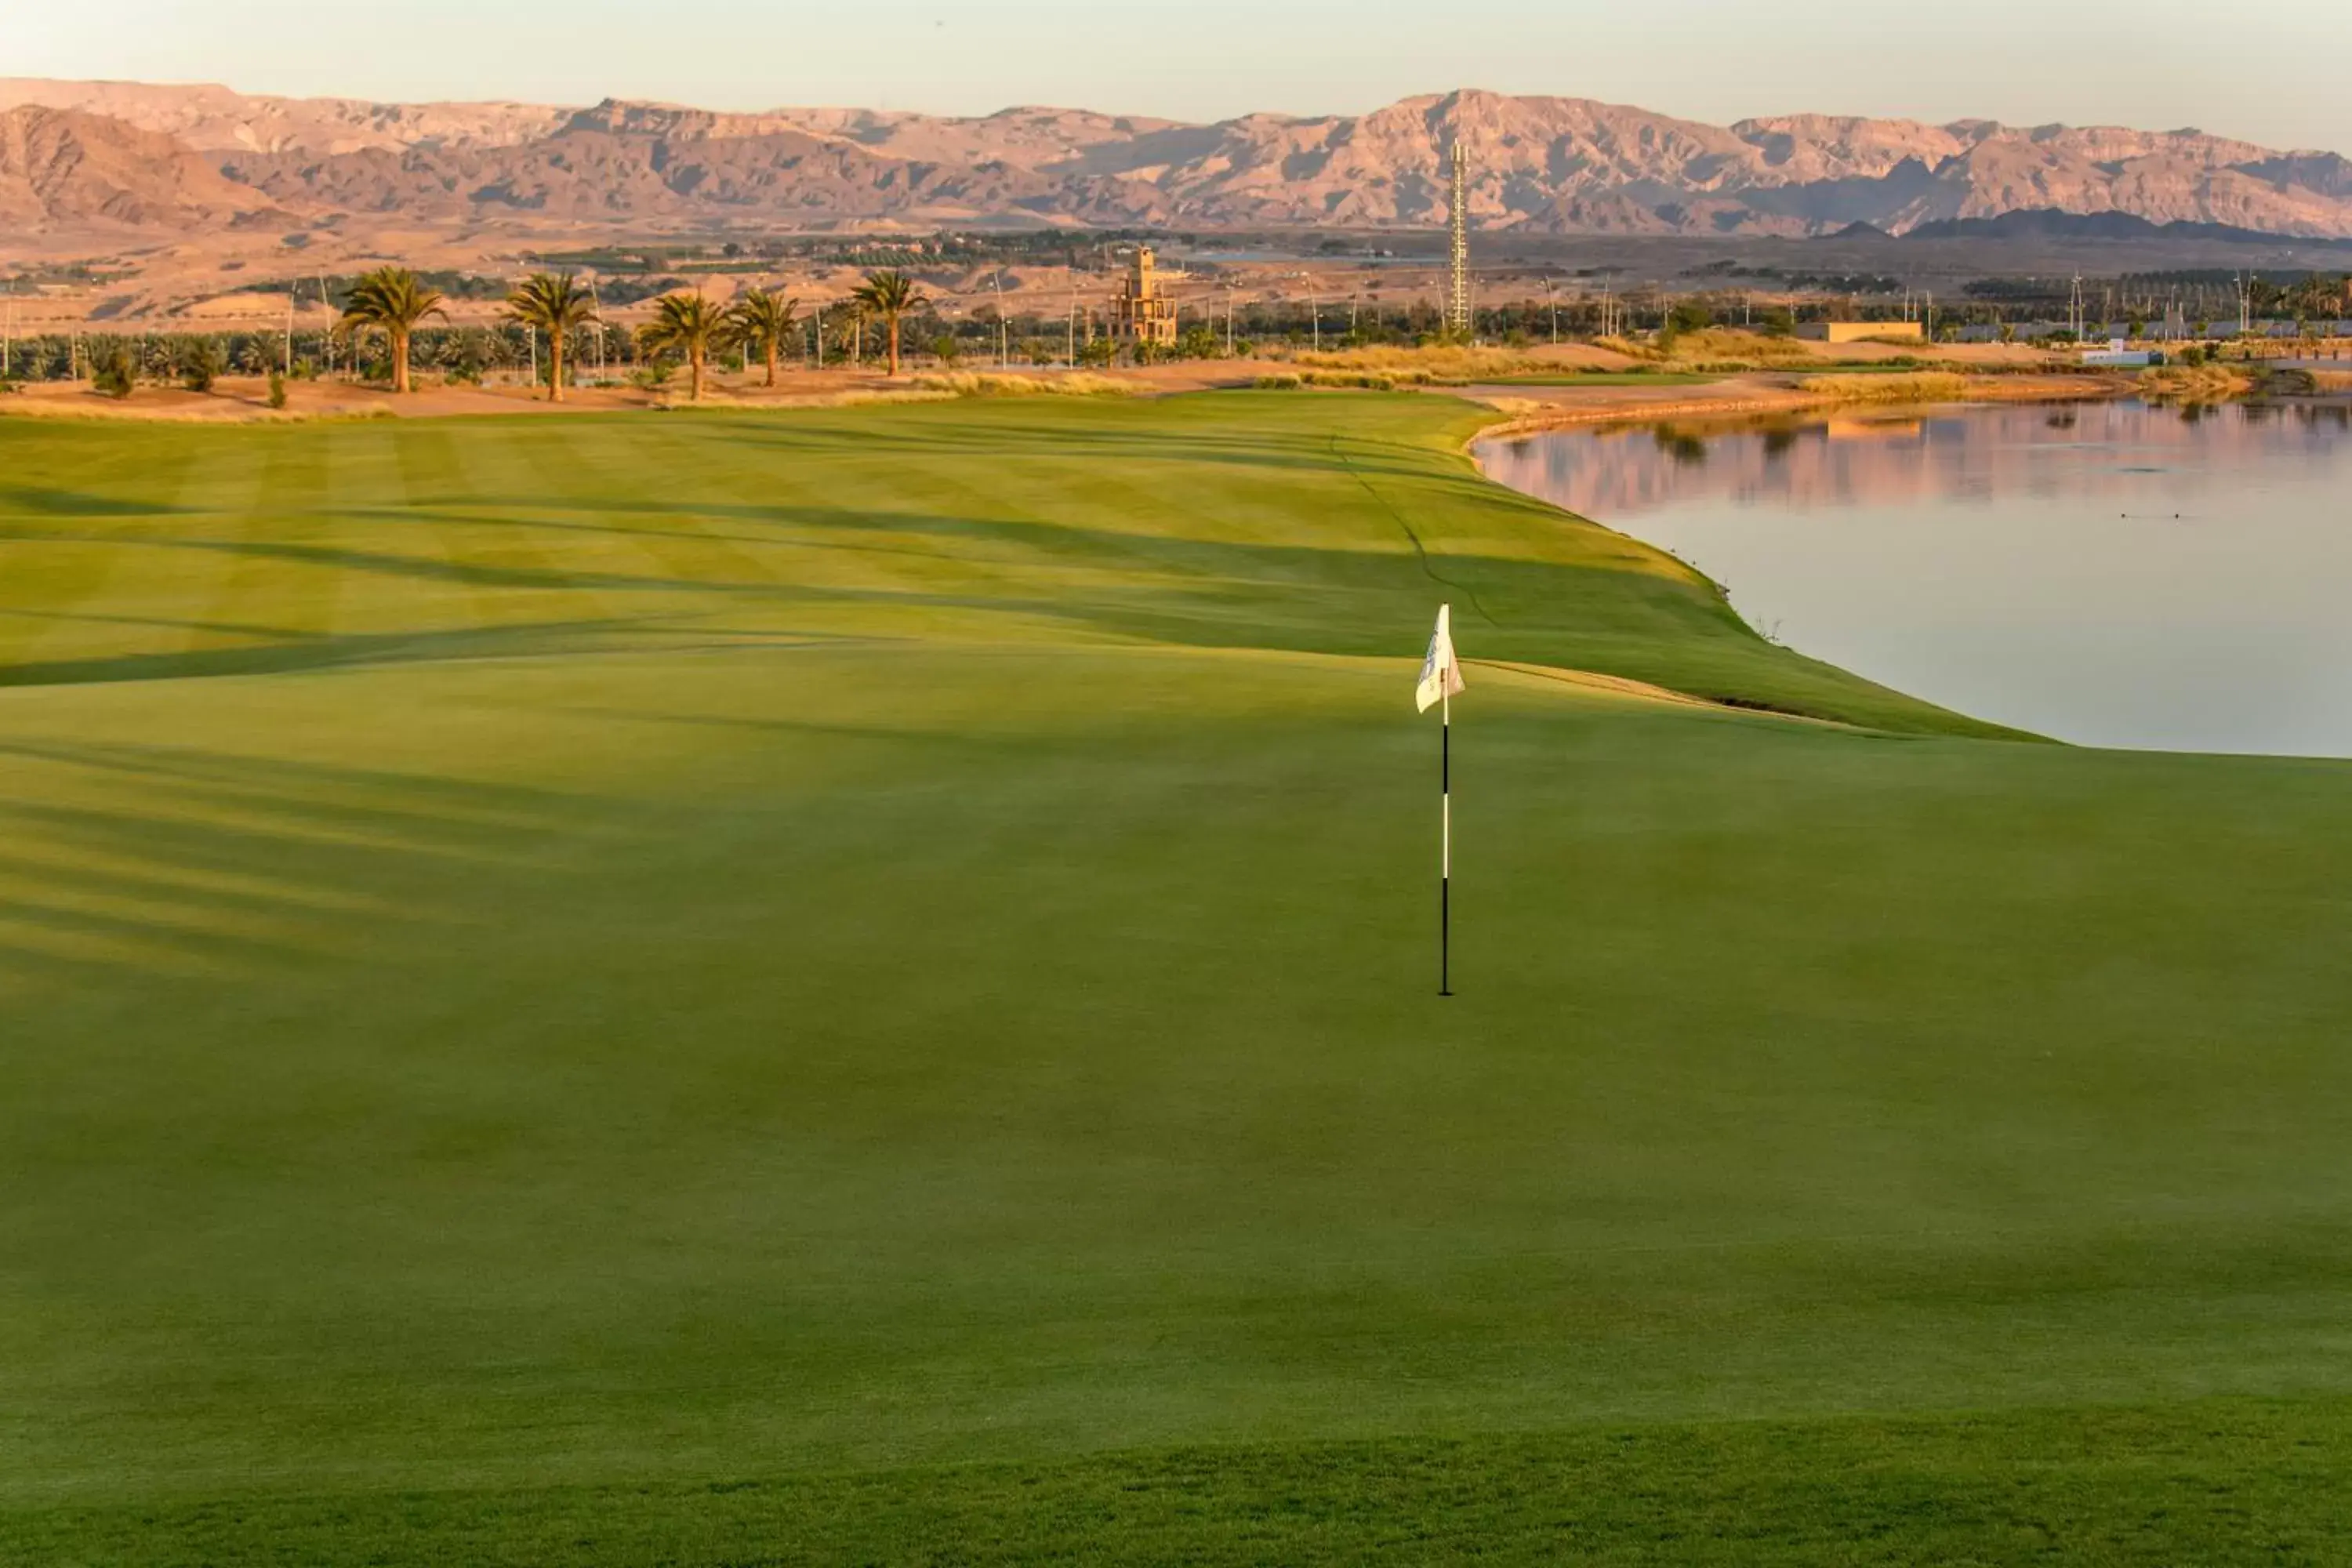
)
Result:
{"points": [[1139, 312]]}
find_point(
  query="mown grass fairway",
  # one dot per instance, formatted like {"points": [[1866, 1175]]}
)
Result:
{"points": [[858, 986]]}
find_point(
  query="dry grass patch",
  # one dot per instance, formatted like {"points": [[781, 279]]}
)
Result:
{"points": [[1348, 380], [1631, 348], [1726, 346], [2194, 383], [137, 411], [977, 384], [1430, 364], [859, 397], [1917, 386], [1714, 350]]}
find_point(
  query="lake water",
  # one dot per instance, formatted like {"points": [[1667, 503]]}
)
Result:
{"points": [[2111, 574]]}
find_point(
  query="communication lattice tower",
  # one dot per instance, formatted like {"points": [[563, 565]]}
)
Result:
{"points": [[1457, 298]]}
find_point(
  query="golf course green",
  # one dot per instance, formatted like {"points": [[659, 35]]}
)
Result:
{"points": [[860, 986]]}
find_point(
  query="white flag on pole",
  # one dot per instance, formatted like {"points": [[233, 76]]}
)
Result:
{"points": [[1441, 672]]}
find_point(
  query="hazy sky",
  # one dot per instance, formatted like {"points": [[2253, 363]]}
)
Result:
{"points": [[2272, 73]]}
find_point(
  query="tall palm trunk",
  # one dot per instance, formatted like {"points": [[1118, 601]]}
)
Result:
{"points": [[399, 361], [894, 345], [555, 367], [771, 358], [694, 359]]}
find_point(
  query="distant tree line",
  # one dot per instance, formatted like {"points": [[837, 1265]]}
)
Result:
{"points": [[393, 324], [552, 327]]}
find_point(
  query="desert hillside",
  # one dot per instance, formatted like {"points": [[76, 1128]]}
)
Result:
{"points": [[1542, 166], [60, 167]]}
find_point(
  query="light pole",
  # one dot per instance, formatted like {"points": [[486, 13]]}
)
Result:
{"points": [[1004, 329], [327, 340], [596, 310]]}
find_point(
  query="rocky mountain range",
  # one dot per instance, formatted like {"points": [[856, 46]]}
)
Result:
{"points": [[60, 169], [124, 156]]}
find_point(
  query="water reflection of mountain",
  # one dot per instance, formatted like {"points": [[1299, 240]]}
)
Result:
{"points": [[1868, 459]]}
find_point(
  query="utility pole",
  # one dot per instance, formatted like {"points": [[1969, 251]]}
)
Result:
{"points": [[289, 328], [1074, 318], [1457, 305], [1552, 299], [596, 309], [1003, 328]]}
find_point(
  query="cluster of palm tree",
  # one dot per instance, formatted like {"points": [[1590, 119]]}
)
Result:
{"points": [[392, 301]]}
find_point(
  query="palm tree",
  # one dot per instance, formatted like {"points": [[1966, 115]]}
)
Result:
{"points": [[766, 319], [557, 306], [692, 325], [890, 295], [392, 301]]}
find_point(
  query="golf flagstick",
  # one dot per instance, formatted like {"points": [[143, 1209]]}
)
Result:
{"points": [[1441, 677]]}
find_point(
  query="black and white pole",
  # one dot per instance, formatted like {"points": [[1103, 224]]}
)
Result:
{"points": [[1445, 850], [1441, 677]]}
